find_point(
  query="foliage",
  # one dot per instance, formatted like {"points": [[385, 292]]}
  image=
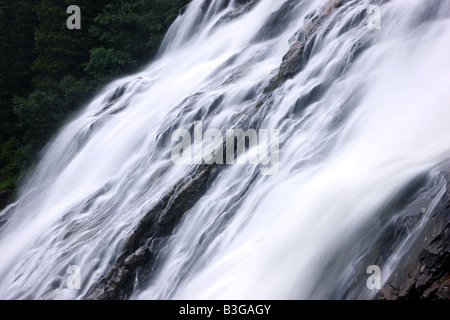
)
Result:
{"points": [[49, 71]]}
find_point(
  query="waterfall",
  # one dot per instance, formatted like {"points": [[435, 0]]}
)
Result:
{"points": [[363, 115]]}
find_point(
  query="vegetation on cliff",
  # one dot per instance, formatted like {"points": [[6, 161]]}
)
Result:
{"points": [[48, 71]]}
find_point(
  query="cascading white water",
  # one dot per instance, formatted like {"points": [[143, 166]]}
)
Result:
{"points": [[379, 121]]}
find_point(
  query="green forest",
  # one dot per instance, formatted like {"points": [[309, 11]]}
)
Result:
{"points": [[48, 71]]}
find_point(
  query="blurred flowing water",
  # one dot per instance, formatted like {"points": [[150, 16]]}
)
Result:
{"points": [[367, 115]]}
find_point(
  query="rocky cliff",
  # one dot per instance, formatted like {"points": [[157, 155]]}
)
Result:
{"points": [[424, 272]]}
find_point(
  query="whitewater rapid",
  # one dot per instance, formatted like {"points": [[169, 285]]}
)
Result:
{"points": [[367, 114]]}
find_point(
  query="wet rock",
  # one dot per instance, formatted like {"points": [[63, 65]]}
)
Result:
{"points": [[56, 283], [300, 47], [243, 7], [118, 93], [207, 4], [135, 259], [417, 242], [276, 23], [139, 254], [183, 10], [425, 272]]}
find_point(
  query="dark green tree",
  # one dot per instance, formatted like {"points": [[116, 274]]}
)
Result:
{"points": [[17, 23], [61, 51], [129, 34], [49, 71]]}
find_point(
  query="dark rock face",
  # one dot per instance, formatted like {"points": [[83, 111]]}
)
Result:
{"points": [[411, 245], [139, 253], [425, 273], [117, 94], [301, 44], [243, 7], [295, 59]]}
